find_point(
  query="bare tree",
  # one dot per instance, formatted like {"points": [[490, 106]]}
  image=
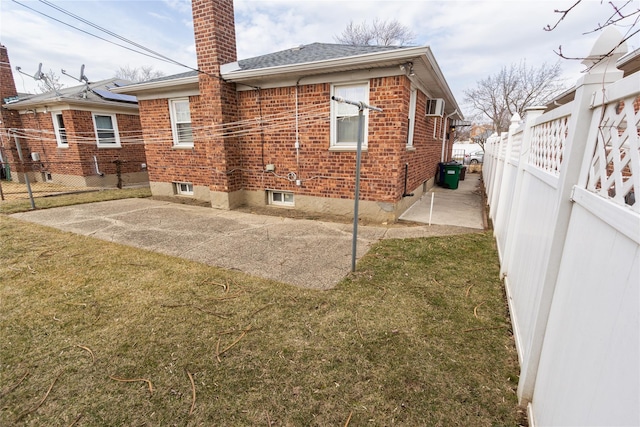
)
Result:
{"points": [[462, 134], [512, 90], [624, 14], [138, 74], [379, 33], [49, 82]]}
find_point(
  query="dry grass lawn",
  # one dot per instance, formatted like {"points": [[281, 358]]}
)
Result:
{"points": [[17, 200], [97, 334]]}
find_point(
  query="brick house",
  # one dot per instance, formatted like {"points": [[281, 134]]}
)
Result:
{"points": [[264, 132], [79, 136]]}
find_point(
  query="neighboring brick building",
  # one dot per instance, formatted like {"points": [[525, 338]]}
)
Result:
{"points": [[264, 131], [83, 135]]}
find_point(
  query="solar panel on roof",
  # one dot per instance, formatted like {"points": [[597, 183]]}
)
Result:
{"points": [[105, 94]]}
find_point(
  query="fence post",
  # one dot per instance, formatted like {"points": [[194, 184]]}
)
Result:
{"points": [[602, 72], [118, 172], [531, 114], [497, 174], [488, 168], [26, 173], [498, 221]]}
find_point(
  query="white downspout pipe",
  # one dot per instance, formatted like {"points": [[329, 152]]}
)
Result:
{"points": [[95, 161], [444, 133]]}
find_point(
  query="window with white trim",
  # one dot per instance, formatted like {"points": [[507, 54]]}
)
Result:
{"points": [[183, 188], [181, 122], [280, 198], [344, 117], [412, 117], [106, 127], [59, 129]]}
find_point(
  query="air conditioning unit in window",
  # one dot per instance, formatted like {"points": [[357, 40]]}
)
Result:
{"points": [[435, 107]]}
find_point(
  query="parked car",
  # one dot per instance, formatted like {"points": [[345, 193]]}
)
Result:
{"points": [[474, 158]]}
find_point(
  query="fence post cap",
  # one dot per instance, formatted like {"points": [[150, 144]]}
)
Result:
{"points": [[609, 47]]}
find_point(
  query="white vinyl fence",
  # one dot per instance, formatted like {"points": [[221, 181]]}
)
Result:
{"points": [[562, 193]]}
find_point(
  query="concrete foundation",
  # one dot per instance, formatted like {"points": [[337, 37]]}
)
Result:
{"points": [[375, 212]]}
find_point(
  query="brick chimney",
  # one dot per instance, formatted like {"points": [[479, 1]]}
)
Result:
{"points": [[215, 38], [215, 34], [10, 118], [7, 85]]}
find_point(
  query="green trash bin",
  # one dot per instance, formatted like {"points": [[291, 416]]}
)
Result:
{"points": [[451, 174]]}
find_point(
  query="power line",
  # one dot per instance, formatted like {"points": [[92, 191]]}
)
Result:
{"points": [[86, 32], [242, 128], [111, 33], [152, 54]]}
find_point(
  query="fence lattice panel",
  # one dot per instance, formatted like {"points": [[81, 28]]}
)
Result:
{"points": [[547, 145], [614, 172]]}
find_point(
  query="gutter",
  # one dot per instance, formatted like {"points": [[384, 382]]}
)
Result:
{"points": [[232, 72], [164, 84], [81, 103]]}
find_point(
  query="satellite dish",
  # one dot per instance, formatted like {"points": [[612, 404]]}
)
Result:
{"points": [[38, 75], [82, 76]]}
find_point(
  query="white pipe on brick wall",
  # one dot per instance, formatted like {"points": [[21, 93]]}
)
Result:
{"points": [[95, 161], [297, 145], [444, 132]]}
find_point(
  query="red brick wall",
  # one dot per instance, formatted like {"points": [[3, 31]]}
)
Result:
{"points": [[77, 159], [233, 158], [323, 173], [326, 173], [168, 164]]}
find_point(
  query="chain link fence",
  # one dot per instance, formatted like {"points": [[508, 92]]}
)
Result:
{"points": [[33, 179]]}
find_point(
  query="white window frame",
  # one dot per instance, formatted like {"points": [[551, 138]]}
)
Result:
{"points": [[114, 124], [61, 133], [183, 188], [174, 123], [279, 198], [348, 145], [413, 99]]}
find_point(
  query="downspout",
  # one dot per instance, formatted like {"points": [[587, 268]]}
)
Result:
{"points": [[406, 176], [95, 161], [444, 132], [297, 144]]}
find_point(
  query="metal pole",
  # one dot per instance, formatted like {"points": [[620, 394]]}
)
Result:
{"points": [[354, 239], [361, 106], [26, 174]]}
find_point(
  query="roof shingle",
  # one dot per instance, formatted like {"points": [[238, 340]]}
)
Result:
{"points": [[310, 53]]}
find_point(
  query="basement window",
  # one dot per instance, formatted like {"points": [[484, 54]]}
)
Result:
{"points": [[183, 188], [280, 198]]}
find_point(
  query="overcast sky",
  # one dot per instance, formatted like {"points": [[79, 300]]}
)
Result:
{"points": [[470, 39]]}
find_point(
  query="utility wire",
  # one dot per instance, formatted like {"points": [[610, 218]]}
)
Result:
{"points": [[111, 33], [86, 32], [245, 128], [153, 54]]}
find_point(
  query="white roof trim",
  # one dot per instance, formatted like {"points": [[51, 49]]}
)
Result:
{"points": [[162, 84], [229, 73]]}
